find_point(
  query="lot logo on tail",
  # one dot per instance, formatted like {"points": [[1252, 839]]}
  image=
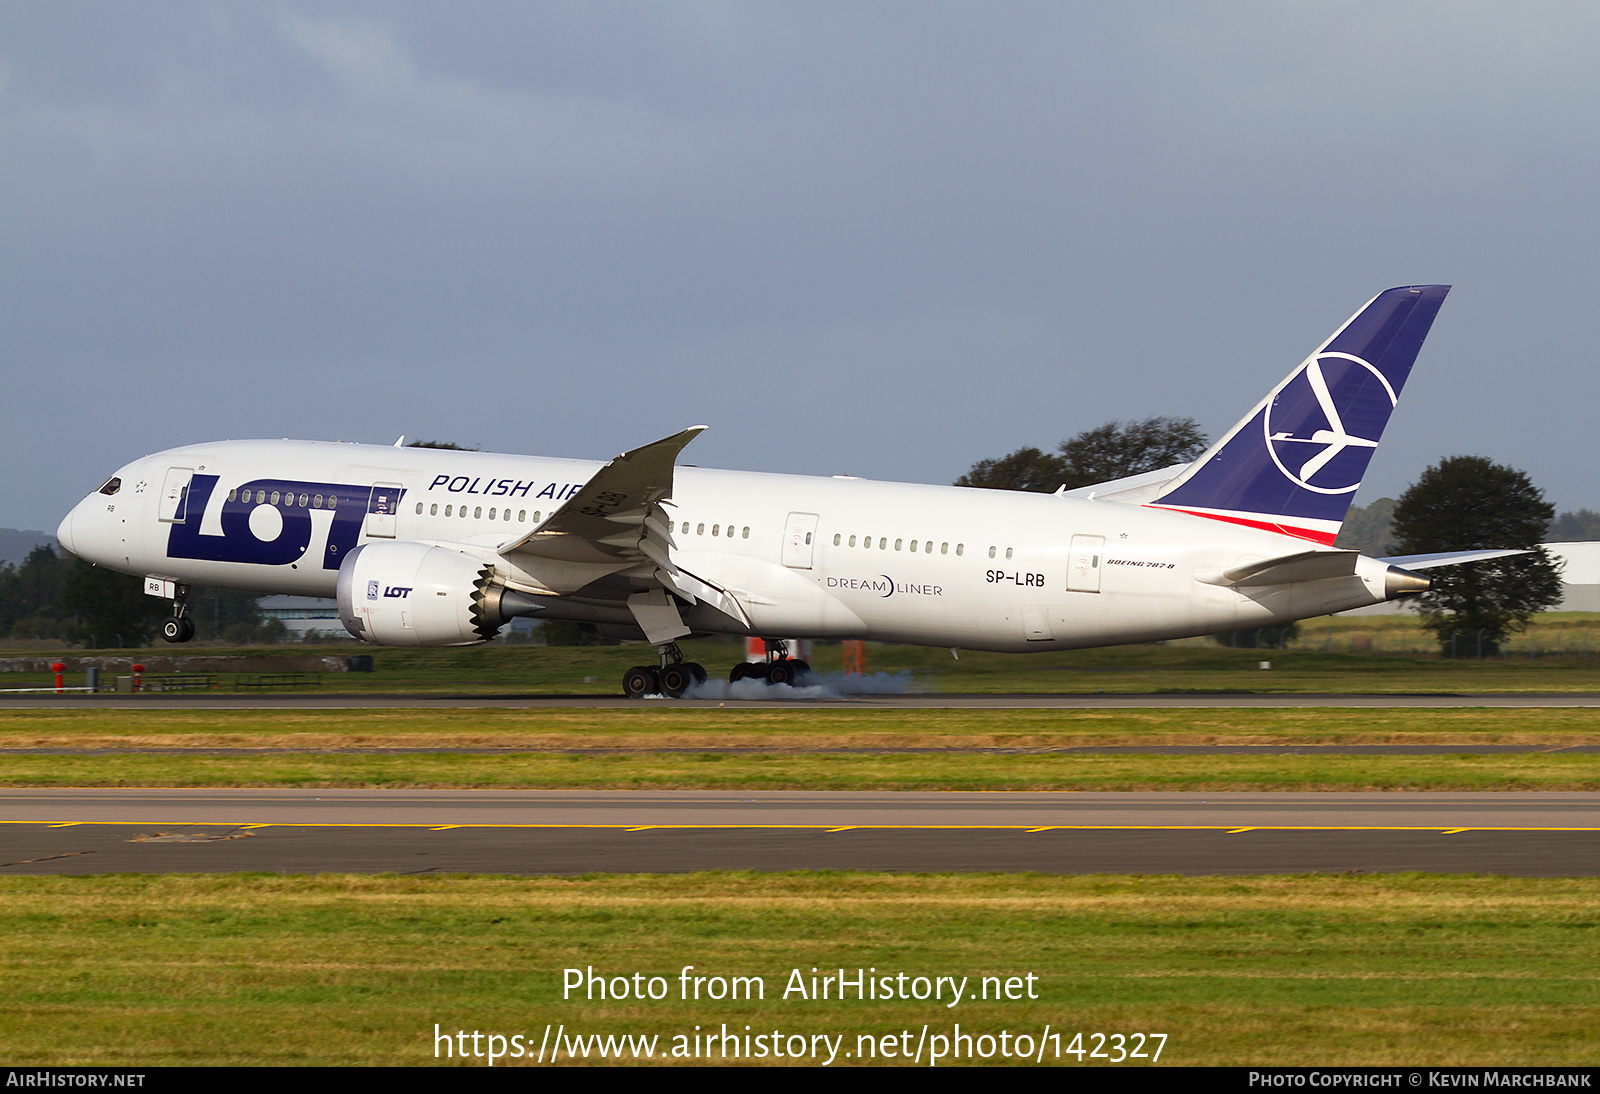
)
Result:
{"points": [[1323, 461], [1292, 463]]}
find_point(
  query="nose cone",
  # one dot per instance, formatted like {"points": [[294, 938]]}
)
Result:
{"points": [[64, 533]]}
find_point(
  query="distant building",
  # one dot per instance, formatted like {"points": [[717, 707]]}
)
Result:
{"points": [[1580, 577], [318, 617], [305, 615]]}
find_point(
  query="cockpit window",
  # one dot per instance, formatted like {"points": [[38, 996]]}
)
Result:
{"points": [[112, 485]]}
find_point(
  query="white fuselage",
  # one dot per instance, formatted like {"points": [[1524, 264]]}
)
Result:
{"points": [[803, 557]]}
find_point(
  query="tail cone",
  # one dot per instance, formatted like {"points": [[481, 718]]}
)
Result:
{"points": [[1398, 583]]}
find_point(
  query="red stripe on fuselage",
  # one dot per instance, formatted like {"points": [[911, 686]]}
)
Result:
{"points": [[1324, 538]]}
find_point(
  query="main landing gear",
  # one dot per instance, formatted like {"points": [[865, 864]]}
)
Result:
{"points": [[778, 668], [178, 627], [675, 675], [672, 678]]}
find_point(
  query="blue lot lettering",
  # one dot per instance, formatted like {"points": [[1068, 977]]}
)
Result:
{"points": [[237, 543], [397, 591]]}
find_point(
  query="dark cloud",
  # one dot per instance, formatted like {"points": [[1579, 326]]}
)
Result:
{"points": [[886, 239]]}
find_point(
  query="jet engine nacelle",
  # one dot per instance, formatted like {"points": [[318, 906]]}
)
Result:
{"points": [[412, 594]]}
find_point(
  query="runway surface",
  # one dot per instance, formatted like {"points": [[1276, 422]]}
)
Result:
{"points": [[1094, 701], [569, 832], [573, 832]]}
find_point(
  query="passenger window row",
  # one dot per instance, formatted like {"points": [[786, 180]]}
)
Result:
{"points": [[716, 529], [495, 512], [276, 497], [317, 501], [925, 546]]}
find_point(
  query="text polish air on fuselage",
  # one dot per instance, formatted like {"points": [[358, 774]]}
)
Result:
{"points": [[502, 487]]}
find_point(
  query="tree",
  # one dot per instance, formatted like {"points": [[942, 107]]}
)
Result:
{"points": [[1368, 530], [232, 616], [1114, 450], [1111, 451], [1276, 636], [112, 608], [1580, 527], [30, 595], [1468, 502], [563, 632], [1024, 469]]}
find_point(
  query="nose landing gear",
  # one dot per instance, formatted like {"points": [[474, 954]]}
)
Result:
{"points": [[178, 627]]}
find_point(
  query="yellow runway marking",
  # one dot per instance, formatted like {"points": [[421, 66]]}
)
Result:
{"points": [[1225, 828]]}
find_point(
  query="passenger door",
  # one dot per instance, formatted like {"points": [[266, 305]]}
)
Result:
{"points": [[1083, 563], [798, 534]]}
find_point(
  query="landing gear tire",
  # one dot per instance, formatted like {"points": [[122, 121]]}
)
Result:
{"points": [[677, 679], [783, 671], [641, 680], [177, 629]]}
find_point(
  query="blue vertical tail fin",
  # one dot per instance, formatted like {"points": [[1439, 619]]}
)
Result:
{"points": [[1293, 464]]}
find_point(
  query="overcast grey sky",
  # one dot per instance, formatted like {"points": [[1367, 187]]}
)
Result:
{"points": [[884, 239]]}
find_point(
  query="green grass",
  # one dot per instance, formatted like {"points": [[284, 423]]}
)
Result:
{"points": [[1560, 652], [719, 771], [756, 725], [1326, 970], [752, 747]]}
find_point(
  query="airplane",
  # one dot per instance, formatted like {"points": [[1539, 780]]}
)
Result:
{"points": [[432, 547]]}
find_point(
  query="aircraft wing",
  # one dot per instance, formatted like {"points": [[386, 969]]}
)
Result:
{"points": [[614, 517], [617, 520], [1133, 490], [1448, 558]]}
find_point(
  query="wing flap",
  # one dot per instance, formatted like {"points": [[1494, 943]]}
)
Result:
{"points": [[617, 524], [585, 529]]}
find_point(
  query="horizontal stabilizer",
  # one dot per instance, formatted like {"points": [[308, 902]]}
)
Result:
{"points": [[1132, 490], [1448, 558], [1305, 566]]}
